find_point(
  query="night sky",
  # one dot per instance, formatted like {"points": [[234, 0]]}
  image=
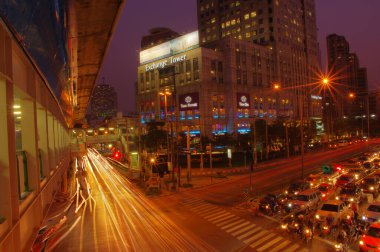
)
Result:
{"points": [[357, 20]]}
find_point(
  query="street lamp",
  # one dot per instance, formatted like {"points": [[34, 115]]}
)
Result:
{"points": [[165, 94]]}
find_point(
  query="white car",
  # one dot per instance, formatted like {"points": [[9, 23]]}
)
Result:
{"points": [[372, 214], [307, 199], [335, 209]]}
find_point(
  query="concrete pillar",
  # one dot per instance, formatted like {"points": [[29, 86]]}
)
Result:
{"points": [[5, 199]]}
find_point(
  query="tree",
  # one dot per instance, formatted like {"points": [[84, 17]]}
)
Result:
{"points": [[155, 137]]}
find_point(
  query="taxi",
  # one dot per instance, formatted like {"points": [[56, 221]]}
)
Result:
{"points": [[370, 241]]}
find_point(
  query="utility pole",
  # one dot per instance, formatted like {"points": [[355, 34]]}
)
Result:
{"points": [[210, 151], [188, 155], [287, 139]]}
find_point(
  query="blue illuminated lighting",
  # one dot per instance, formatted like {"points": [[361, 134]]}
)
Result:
{"points": [[243, 131], [190, 118], [219, 132], [192, 132], [215, 116]]}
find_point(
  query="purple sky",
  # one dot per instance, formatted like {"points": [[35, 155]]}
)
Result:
{"points": [[357, 20]]}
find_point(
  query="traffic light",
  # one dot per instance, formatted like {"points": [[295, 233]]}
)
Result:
{"points": [[117, 155]]}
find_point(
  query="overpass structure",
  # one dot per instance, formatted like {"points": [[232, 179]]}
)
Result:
{"points": [[50, 57]]}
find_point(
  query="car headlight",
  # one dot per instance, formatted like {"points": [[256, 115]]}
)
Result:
{"points": [[351, 199], [338, 246], [286, 192], [323, 195], [295, 193], [311, 184], [371, 188], [361, 242], [337, 198], [266, 206], [364, 217], [283, 226], [317, 216], [290, 205], [348, 217]]}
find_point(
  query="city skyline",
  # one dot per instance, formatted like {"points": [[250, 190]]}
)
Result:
{"points": [[127, 38]]}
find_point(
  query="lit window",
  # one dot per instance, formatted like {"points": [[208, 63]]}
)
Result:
{"points": [[228, 23], [223, 25], [246, 16], [253, 14], [213, 20], [233, 22], [248, 35]]}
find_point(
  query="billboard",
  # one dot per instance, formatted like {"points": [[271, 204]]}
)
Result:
{"points": [[243, 101], [189, 101], [169, 48]]}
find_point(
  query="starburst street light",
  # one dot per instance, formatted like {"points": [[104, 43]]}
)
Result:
{"points": [[325, 81], [276, 86]]}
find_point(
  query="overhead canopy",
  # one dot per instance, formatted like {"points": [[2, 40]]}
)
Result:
{"points": [[92, 24]]}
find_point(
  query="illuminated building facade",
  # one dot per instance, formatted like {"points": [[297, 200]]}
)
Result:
{"points": [[288, 28], [218, 90]]}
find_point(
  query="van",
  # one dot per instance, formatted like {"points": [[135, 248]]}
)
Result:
{"points": [[307, 199]]}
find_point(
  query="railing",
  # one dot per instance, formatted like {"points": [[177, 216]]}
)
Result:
{"points": [[22, 174]]}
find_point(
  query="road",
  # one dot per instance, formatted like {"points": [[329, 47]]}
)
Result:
{"points": [[116, 216]]}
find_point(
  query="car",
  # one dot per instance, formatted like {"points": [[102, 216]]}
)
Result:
{"points": [[371, 184], [342, 143], [315, 179], [368, 165], [350, 193], [370, 241], [326, 190], [376, 163], [372, 213], [297, 187], [307, 199], [335, 209], [358, 173], [333, 145], [344, 179]]}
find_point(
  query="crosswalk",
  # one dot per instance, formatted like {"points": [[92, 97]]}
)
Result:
{"points": [[244, 230]]}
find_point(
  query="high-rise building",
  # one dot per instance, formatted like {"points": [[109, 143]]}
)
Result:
{"points": [[349, 77], [287, 28], [103, 102]]}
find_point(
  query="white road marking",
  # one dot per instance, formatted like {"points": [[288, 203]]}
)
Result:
{"points": [[269, 244], [262, 240]]}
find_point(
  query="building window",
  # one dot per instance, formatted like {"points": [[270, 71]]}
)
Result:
{"points": [[246, 16], [253, 14], [141, 78], [196, 69]]}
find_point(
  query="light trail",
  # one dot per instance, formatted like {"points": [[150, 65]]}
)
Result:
{"points": [[133, 222]]}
